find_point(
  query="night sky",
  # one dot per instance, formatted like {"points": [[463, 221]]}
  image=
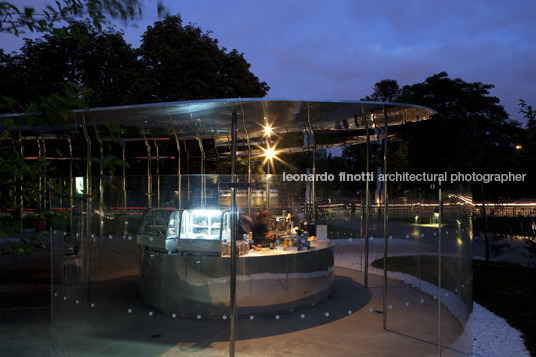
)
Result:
{"points": [[340, 49]]}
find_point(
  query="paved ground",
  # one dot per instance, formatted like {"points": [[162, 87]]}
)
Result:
{"points": [[25, 301], [115, 322], [515, 251]]}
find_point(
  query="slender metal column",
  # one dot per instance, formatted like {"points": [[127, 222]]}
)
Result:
{"points": [[149, 179], [71, 187], [367, 196], [124, 185], [89, 204], [215, 147], [439, 268], [232, 302], [20, 196], [187, 169], [40, 180], [385, 219], [420, 240], [203, 180], [269, 160], [249, 157], [157, 171], [179, 188], [313, 185], [101, 190], [268, 185], [124, 173], [45, 174]]}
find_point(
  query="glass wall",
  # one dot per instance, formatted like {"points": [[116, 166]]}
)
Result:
{"points": [[123, 284]]}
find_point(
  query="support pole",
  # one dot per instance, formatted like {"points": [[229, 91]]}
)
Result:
{"points": [[313, 185], [179, 188], [101, 189], [232, 302], [19, 186], [203, 180], [269, 160], [124, 173], [268, 185], [40, 180], [124, 184], [149, 181], [157, 170], [71, 187], [45, 174], [187, 170], [385, 221], [439, 268], [367, 197], [89, 204], [249, 157]]}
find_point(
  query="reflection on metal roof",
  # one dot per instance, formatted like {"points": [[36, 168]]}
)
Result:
{"points": [[334, 123]]}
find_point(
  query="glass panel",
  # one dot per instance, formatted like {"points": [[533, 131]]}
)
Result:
{"points": [[129, 279], [127, 289], [349, 317]]}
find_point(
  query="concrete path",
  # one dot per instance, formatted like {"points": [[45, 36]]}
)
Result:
{"points": [[116, 323]]}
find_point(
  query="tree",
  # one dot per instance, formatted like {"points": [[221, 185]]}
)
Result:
{"points": [[527, 147], [528, 152], [82, 65], [17, 21], [18, 177], [386, 90], [183, 63], [470, 133], [98, 61]]}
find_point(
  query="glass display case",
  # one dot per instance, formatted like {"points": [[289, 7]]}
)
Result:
{"points": [[174, 225], [188, 232], [202, 231], [201, 224], [159, 229]]}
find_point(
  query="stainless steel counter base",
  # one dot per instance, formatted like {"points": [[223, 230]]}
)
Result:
{"points": [[267, 282]]}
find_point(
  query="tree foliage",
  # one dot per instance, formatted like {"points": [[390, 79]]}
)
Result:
{"points": [[23, 182], [81, 63], [471, 131], [181, 62], [98, 61], [174, 62], [17, 21], [386, 90]]}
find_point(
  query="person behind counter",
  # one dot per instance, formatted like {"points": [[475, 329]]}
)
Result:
{"points": [[245, 225], [260, 232]]}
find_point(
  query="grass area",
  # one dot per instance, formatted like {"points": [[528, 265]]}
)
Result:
{"points": [[508, 290]]}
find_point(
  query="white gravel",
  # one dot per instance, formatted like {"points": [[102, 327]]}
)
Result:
{"points": [[492, 336]]}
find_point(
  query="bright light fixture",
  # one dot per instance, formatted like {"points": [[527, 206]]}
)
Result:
{"points": [[268, 130], [269, 153]]}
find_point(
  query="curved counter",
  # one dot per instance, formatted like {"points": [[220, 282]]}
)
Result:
{"points": [[269, 281]]}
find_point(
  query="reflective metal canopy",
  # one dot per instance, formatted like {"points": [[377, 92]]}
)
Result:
{"points": [[213, 116], [332, 121], [292, 122]]}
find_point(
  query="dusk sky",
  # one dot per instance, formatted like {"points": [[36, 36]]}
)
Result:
{"points": [[340, 49]]}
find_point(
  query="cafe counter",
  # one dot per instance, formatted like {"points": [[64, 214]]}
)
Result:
{"points": [[197, 284]]}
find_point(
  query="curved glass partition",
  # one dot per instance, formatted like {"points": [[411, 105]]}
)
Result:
{"points": [[211, 227], [132, 277]]}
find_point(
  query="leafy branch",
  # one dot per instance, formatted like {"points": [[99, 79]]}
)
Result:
{"points": [[17, 20]]}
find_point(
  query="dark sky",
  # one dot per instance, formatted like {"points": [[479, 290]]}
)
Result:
{"points": [[320, 49]]}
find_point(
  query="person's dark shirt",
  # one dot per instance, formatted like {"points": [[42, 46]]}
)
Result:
{"points": [[245, 225], [260, 232]]}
